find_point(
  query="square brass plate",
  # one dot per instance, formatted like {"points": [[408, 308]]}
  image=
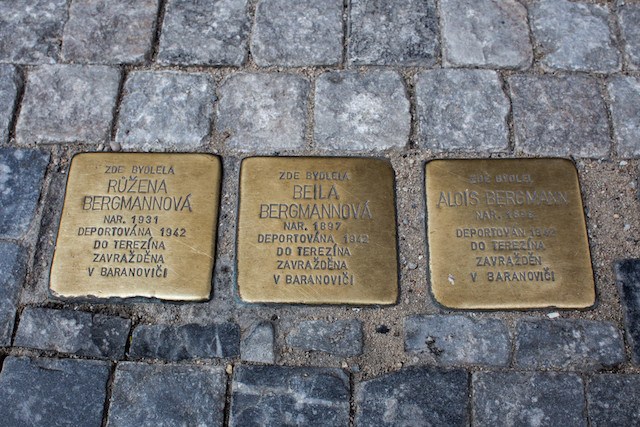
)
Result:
{"points": [[138, 225], [507, 234], [317, 231]]}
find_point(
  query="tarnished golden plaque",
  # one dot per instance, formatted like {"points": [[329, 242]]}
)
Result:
{"points": [[317, 230], [138, 225], [507, 234]]}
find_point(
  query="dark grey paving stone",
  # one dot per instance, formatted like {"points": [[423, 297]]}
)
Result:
{"points": [[10, 83], [109, 31], [263, 112], [625, 109], [528, 399], [574, 36], [559, 116], [191, 341], [74, 332], [462, 110], [458, 340], [21, 175], [297, 34], [165, 109], [568, 344], [613, 400], [211, 32], [393, 32], [167, 395], [414, 396], [12, 272], [52, 392], [361, 111], [485, 33], [68, 103], [628, 281], [31, 30], [259, 344], [629, 14], [340, 338], [280, 395]]}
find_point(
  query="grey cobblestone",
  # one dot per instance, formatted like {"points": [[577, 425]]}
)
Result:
{"points": [[359, 111], [462, 110], [12, 272], [68, 103], [204, 33], [629, 17], [280, 395], [165, 109], [414, 396], [625, 110], [185, 342], [613, 400], [296, 34], [485, 33], [167, 395], [537, 398], [259, 344], [109, 31], [21, 177], [574, 36], [393, 32], [628, 281], [10, 82], [568, 344], [39, 392], [74, 332], [263, 112], [340, 337], [559, 116], [454, 340]]}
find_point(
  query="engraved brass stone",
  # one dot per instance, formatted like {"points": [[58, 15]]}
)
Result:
{"points": [[507, 234], [317, 231], [138, 225]]}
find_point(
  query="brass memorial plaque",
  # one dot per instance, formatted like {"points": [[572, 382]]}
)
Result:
{"points": [[317, 231], [507, 234], [138, 225]]}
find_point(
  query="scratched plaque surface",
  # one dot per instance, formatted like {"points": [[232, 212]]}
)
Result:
{"points": [[507, 234], [138, 225], [317, 231]]}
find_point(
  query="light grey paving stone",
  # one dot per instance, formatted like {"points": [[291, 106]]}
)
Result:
{"points": [[574, 36], [185, 342], [165, 109], [297, 34], [340, 338], [74, 332], [280, 395], [526, 399], [393, 32], [628, 281], [361, 111], [10, 83], [462, 110], [559, 116], [12, 273], [31, 30], [68, 103], [21, 175], [52, 392], [458, 340], [213, 32], [629, 14], [613, 400], [625, 110], [259, 344], [167, 395], [414, 397], [263, 112], [568, 344], [109, 31], [485, 33]]}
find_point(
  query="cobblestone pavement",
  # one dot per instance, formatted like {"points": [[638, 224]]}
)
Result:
{"points": [[406, 80]]}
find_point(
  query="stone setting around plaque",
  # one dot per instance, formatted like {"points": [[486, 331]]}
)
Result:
{"points": [[317, 230], [138, 225], [507, 234]]}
